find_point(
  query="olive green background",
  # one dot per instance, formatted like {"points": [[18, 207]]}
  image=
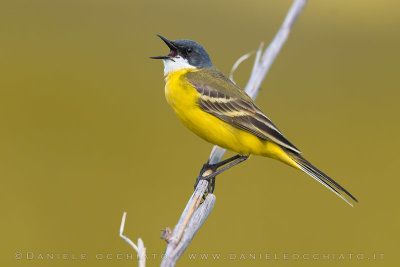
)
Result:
{"points": [[87, 134]]}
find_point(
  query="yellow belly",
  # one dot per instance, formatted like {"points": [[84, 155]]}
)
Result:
{"points": [[183, 98]]}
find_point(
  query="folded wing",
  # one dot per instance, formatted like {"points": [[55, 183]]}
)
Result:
{"points": [[220, 97]]}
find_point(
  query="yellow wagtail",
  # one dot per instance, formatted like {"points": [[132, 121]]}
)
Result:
{"points": [[217, 110]]}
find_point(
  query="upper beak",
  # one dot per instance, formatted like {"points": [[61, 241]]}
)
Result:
{"points": [[169, 43]]}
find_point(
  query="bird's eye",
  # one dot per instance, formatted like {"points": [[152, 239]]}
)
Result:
{"points": [[189, 50]]}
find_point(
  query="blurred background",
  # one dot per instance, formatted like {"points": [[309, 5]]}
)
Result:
{"points": [[87, 134]]}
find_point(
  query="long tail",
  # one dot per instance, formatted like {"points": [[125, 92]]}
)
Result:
{"points": [[321, 177]]}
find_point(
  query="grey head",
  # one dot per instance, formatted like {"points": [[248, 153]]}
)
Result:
{"points": [[183, 51]]}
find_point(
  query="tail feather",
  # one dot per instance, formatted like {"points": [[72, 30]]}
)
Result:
{"points": [[321, 177]]}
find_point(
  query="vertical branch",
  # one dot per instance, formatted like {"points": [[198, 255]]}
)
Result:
{"points": [[260, 69]]}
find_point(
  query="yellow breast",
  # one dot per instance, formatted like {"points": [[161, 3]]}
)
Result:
{"points": [[183, 98], [179, 92]]}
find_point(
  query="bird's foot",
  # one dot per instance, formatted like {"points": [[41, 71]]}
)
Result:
{"points": [[208, 173]]}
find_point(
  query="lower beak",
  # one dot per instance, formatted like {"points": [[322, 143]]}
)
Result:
{"points": [[160, 57]]}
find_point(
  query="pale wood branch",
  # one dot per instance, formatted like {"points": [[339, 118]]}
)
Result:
{"points": [[262, 64], [189, 223]]}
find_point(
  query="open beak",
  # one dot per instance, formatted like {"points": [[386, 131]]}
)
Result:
{"points": [[171, 46]]}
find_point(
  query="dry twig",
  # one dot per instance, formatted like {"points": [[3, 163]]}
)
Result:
{"points": [[140, 249]]}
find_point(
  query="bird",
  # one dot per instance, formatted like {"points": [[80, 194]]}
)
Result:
{"points": [[217, 110]]}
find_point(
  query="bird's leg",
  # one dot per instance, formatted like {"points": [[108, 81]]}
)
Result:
{"points": [[229, 163]]}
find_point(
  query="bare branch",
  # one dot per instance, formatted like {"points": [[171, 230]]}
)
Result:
{"points": [[262, 64]]}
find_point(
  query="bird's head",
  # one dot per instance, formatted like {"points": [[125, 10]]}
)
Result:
{"points": [[184, 54]]}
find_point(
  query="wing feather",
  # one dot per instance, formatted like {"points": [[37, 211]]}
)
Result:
{"points": [[223, 99]]}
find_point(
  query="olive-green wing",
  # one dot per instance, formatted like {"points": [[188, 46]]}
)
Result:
{"points": [[220, 97]]}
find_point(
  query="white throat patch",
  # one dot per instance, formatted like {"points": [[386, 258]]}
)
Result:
{"points": [[178, 64]]}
